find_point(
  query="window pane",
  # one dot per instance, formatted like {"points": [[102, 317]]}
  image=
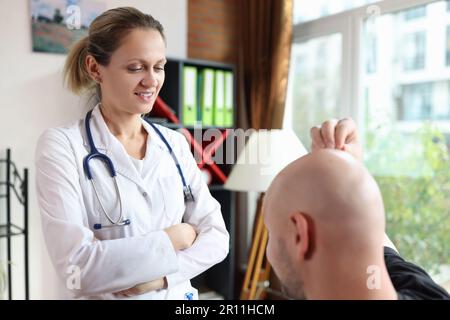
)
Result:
{"points": [[415, 13], [407, 138], [306, 10], [414, 50], [371, 52], [447, 43], [314, 84], [415, 103]]}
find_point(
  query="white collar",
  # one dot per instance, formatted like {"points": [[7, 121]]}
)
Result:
{"points": [[107, 143]]}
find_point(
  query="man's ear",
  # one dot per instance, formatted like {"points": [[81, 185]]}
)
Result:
{"points": [[303, 234]]}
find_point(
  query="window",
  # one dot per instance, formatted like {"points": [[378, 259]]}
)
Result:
{"points": [[415, 13], [407, 121], [425, 101], [390, 72], [415, 102], [315, 75], [414, 51]]}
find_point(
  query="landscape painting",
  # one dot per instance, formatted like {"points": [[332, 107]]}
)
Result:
{"points": [[57, 24]]}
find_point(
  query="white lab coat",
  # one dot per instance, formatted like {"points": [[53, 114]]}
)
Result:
{"points": [[114, 259]]}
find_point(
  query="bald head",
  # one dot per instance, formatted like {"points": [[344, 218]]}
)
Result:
{"points": [[336, 194], [334, 190], [330, 175]]}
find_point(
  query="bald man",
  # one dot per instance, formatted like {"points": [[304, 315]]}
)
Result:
{"points": [[325, 218]]}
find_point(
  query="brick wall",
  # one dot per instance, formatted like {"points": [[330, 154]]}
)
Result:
{"points": [[213, 30]]}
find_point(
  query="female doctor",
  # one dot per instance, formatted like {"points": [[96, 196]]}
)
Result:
{"points": [[113, 190]]}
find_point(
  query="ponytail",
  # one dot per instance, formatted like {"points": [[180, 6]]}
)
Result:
{"points": [[76, 76]]}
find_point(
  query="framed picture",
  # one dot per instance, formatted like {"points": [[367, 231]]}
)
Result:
{"points": [[57, 24]]}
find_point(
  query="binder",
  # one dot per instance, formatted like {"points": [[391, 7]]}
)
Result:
{"points": [[199, 94], [189, 95], [229, 100], [219, 98], [207, 97]]}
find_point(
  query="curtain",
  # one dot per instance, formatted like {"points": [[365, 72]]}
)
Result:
{"points": [[264, 54], [265, 39]]}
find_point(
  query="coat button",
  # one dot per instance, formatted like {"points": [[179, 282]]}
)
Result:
{"points": [[144, 194]]}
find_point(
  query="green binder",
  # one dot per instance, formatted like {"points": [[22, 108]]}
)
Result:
{"points": [[199, 94], [219, 98], [229, 100], [207, 97], [189, 95]]}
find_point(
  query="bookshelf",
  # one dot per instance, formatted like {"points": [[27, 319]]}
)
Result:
{"points": [[218, 281], [172, 90]]}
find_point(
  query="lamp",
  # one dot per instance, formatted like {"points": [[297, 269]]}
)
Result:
{"points": [[266, 153]]}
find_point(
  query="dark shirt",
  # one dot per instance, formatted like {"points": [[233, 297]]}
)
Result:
{"points": [[410, 281]]}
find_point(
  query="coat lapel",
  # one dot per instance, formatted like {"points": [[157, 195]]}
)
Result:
{"points": [[156, 154]]}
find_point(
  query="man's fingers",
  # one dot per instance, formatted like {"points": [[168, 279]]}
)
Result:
{"points": [[316, 137], [345, 129], [327, 132]]}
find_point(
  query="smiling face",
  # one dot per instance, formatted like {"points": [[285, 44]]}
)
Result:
{"points": [[135, 74]]}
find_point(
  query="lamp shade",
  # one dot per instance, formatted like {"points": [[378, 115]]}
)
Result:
{"points": [[266, 153]]}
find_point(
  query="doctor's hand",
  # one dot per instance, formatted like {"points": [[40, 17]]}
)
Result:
{"points": [[334, 134], [182, 235], [143, 288]]}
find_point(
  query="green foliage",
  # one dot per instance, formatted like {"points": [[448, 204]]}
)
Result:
{"points": [[413, 172]]}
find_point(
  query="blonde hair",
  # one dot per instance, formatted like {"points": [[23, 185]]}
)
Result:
{"points": [[105, 35]]}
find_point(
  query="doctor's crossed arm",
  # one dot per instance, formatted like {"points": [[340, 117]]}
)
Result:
{"points": [[182, 236]]}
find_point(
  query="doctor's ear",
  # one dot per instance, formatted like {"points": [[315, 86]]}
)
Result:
{"points": [[93, 68]]}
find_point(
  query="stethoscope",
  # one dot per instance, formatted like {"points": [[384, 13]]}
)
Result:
{"points": [[94, 153]]}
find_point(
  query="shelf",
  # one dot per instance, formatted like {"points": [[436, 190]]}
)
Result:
{"points": [[217, 187], [190, 127], [12, 230], [172, 91], [205, 127], [203, 63]]}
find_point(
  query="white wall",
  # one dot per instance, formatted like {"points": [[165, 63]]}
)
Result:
{"points": [[32, 99]]}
